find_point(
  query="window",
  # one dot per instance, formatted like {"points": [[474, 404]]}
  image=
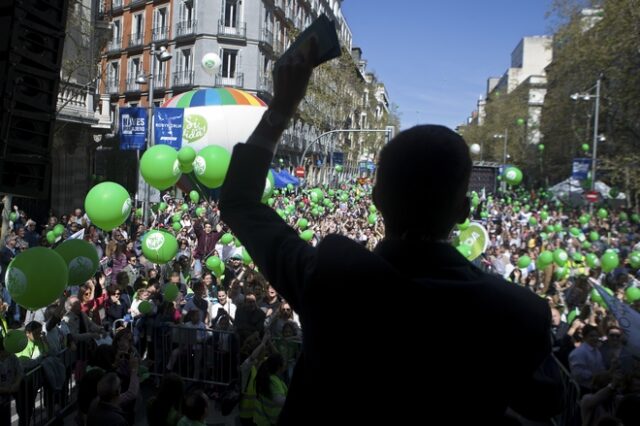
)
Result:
{"points": [[231, 13], [137, 29], [134, 68], [161, 71], [160, 23], [186, 11], [113, 77], [117, 31], [229, 62], [184, 61]]}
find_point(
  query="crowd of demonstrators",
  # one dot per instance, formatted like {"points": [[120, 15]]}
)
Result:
{"points": [[102, 316]]}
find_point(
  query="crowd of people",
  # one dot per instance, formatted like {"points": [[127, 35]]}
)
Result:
{"points": [[115, 343]]}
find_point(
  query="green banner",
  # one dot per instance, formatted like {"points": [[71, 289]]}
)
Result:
{"points": [[476, 237]]}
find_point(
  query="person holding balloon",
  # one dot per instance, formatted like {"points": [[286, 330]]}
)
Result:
{"points": [[420, 191]]}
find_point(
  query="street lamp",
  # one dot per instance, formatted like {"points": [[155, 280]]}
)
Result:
{"points": [[587, 96], [505, 156], [161, 55]]}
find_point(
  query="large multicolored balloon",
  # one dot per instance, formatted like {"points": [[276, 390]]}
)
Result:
{"points": [[211, 165], [81, 258], [108, 205], [36, 277], [159, 246]]}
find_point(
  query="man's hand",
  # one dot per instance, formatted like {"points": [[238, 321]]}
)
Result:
{"points": [[290, 79]]}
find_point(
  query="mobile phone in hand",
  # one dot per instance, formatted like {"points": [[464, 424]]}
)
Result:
{"points": [[324, 31]]}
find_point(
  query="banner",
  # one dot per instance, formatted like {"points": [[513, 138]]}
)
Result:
{"points": [[167, 123], [133, 128], [338, 158], [581, 168], [628, 319], [476, 237]]}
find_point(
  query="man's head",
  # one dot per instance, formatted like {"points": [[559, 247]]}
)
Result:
{"points": [[421, 182], [208, 228], [109, 387], [77, 212]]}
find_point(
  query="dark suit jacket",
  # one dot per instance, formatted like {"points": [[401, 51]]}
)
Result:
{"points": [[454, 342]]}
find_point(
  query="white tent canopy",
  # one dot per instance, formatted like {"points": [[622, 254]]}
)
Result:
{"points": [[571, 188]]}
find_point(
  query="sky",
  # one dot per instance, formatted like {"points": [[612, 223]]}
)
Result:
{"points": [[435, 56]]}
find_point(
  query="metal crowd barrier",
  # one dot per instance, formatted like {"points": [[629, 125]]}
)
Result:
{"points": [[37, 403], [570, 416], [200, 355]]}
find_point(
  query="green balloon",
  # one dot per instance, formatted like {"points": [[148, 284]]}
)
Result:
{"points": [[13, 216], [586, 245], [560, 257], [108, 205], [592, 260], [290, 186], [632, 294], [306, 235], [561, 272], [372, 218], [464, 225], [524, 261], [484, 214], [184, 207], [36, 277], [316, 195], [557, 227], [545, 258], [226, 238], [145, 307], [465, 250], [372, 208], [211, 165], [520, 121], [584, 219], [513, 175], [51, 237], [159, 166], [213, 263], [199, 211], [574, 231], [635, 217], [475, 201], [245, 256], [162, 206], [533, 221], [58, 230], [176, 217], [81, 258], [585, 147], [15, 341], [544, 215], [634, 259], [338, 168], [186, 155], [186, 167], [572, 315], [541, 147], [171, 292], [176, 226], [594, 236], [603, 213], [614, 192], [609, 261], [269, 188], [270, 202], [596, 297], [159, 246], [544, 236], [623, 216], [303, 223]]}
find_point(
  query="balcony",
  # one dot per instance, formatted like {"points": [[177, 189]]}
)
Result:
{"points": [[114, 46], [135, 40], [112, 86], [266, 39], [235, 33], [136, 3], [160, 33], [183, 78], [160, 81], [75, 104], [186, 28], [237, 81], [265, 84], [116, 6], [132, 85]]}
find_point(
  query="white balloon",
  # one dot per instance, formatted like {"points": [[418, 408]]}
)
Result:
{"points": [[211, 63], [475, 149]]}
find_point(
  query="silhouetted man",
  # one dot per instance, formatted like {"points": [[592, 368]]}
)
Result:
{"points": [[462, 345]]}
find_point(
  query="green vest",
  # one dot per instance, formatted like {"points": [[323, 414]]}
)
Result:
{"points": [[248, 401], [267, 412]]}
